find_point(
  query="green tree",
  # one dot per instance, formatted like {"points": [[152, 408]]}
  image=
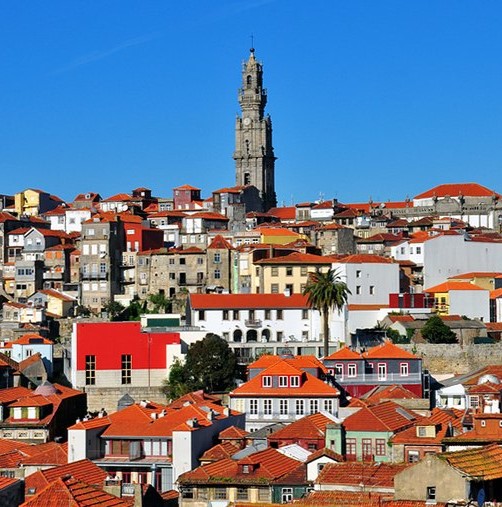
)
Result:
{"points": [[176, 385], [161, 303], [436, 331], [326, 292], [135, 309], [211, 364], [114, 309]]}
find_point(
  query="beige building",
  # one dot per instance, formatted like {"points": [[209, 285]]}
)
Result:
{"points": [[288, 273]]}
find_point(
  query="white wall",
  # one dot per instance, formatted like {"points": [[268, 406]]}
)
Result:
{"points": [[447, 256], [474, 304]]}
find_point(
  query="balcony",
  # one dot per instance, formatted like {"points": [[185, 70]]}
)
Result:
{"points": [[375, 378], [191, 282], [253, 323], [93, 276]]}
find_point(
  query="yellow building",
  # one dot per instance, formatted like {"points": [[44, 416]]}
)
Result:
{"points": [[33, 202], [483, 279], [443, 296], [278, 236], [286, 273]]}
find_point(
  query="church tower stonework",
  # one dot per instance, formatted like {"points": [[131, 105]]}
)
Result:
{"points": [[254, 153]]}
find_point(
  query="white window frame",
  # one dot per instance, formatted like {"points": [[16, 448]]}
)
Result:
{"points": [[266, 381]]}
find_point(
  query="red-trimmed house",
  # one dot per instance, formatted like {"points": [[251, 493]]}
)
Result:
{"points": [[283, 392], [385, 364]]}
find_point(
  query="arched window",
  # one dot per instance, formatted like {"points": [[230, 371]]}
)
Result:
{"points": [[247, 179], [249, 80]]}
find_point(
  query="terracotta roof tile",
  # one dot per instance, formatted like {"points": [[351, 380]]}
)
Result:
{"points": [[456, 189], [372, 475], [483, 463], [451, 285], [309, 427], [344, 353], [297, 258], [245, 301], [388, 350], [386, 416]]}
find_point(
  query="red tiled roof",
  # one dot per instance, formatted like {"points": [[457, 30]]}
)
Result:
{"points": [[309, 427], [354, 473], [448, 286], [4, 217], [28, 339], [186, 187], [244, 301], [276, 231], [220, 451], [13, 393], [401, 318], [68, 491], [476, 274], [386, 416], [300, 362], [284, 213], [220, 243], [388, 350], [297, 258], [483, 463], [268, 465], [118, 198], [232, 433], [345, 353], [81, 470], [209, 215], [392, 392], [456, 189]]}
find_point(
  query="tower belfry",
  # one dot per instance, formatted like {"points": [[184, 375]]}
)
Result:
{"points": [[254, 153]]}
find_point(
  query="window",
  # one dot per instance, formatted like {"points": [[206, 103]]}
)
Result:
{"points": [[289, 288], [217, 258], [263, 495], [279, 336], [300, 407], [358, 289], [200, 260], [253, 407], [314, 406], [413, 456], [303, 271], [235, 314], [382, 371], [274, 288], [358, 273], [225, 314], [431, 493], [305, 314], [380, 447], [351, 448], [287, 495], [295, 381], [266, 381], [339, 370], [274, 271], [404, 369], [90, 370], [283, 381], [126, 368], [217, 274], [242, 493], [352, 370], [372, 290], [483, 423], [328, 406], [419, 250], [422, 431], [220, 493], [289, 271], [267, 314], [283, 407], [182, 260], [279, 314], [202, 315], [267, 407], [171, 261], [367, 449], [202, 494]]}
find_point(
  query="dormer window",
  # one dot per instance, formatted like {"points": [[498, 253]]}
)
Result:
{"points": [[245, 469], [267, 381], [283, 381], [295, 381]]}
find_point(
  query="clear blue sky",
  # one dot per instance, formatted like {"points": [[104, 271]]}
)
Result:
{"points": [[380, 98]]}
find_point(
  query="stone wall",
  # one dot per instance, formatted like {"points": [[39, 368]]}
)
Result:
{"points": [[108, 397], [454, 358]]}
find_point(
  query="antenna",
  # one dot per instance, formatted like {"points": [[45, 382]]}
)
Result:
{"points": [[252, 43]]}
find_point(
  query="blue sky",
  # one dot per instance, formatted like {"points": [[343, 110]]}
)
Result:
{"points": [[368, 98]]}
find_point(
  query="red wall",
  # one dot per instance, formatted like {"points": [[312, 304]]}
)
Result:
{"points": [[109, 340]]}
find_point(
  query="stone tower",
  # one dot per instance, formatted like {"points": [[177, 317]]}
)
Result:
{"points": [[254, 154]]}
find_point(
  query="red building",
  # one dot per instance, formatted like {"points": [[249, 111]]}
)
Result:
{"points": [[115, 354], [185, 195], [139, 238]]}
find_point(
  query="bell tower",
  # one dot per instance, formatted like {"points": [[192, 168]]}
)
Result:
{"points": [[254, 154]]}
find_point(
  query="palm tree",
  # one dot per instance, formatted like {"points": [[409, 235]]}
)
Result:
{"points": [[326, 291]]}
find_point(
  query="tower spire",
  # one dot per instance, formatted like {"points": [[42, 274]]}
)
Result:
{"points": [[254, 154]]}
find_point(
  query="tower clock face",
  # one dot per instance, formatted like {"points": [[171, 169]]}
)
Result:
{"points": [[247, 121]]}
